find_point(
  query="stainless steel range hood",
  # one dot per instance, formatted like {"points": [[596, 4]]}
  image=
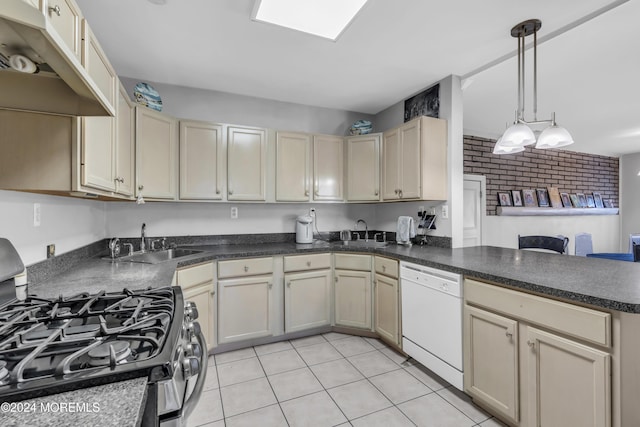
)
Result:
{"points": [[62, 86]]}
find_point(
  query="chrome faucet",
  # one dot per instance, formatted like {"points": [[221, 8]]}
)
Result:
{"points": [[366, 229], [143, 246]]}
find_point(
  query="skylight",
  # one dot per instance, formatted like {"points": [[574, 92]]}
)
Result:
{"points": [[323, 18]]}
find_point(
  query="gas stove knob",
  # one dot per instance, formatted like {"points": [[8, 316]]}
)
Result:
{"points": [[192, 329], [190, 367], [194, 349], [191, 311]]}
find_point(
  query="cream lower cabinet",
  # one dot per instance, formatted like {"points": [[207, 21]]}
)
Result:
{"points": [[197, 283], [307, 292], [386, 300], [352, 290], [156, 154], [532, 361], [363, 168], [245, 294], [202, 161]]}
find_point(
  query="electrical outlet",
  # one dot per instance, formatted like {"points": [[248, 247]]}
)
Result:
{"points": [[51, 250], [312, 212], [445, 211], [36, 215], [234, 212]]}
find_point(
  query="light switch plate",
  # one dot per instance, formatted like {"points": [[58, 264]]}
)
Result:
{"points": [[36, 214], [234, 212], [445, 211]]}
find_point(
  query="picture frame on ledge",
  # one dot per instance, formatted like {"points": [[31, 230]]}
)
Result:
{"points": [[529, 198], [597, 197], [517, 197], [574, 200], [543, 197], [591, 203], [504, 199], [566, 200], [582, 199], [554, 197]]}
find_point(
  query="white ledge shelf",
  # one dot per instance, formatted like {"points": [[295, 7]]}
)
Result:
{"points": [[522, 211]]}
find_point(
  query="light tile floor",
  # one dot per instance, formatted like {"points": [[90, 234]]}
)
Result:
{"points": [[329, 380]]}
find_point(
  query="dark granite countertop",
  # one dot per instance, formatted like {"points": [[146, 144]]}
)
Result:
{"points": [[602, 283], [104, 405]]}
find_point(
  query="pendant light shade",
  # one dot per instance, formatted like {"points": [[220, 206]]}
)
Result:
{"points": [[516, 137], [554, 137], [502, 149]]}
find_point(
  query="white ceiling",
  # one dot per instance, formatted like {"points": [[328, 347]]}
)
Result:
{"points": [[587, 71]]}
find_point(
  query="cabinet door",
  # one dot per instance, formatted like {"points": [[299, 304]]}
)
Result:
{"points": [[353, 298], [569, 384], [125, 145], [386, 308], [201, 161], [98, 67], [293, 161], [328, 167], [65, 16], [410, 160], [307, 300], [203, 296], [98, 153], [363, 168], [434, 158], [246, 163], [156, 154], [391, 165], [491, 361], [244, 308]]}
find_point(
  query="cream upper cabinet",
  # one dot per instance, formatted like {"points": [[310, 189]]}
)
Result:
{"points": [[156, 154], [293, 167], [97, 65], [363, 168], [107, 150], [65, 18], [125, 145], [569, 383], [328, 168], [491, 361], [414, 160], [198, 286], [202, 161], [386, 300], [98, 148], [246, 163]]}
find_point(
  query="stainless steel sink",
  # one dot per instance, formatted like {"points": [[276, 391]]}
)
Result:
{"points": [[158, 256], [365, 244]]}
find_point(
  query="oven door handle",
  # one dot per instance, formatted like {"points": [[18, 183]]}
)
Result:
{"points": [[191, 402]]}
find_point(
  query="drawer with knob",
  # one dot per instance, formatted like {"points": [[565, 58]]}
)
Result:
{"points": [[306, 262], [386, 266], [245, 267]]}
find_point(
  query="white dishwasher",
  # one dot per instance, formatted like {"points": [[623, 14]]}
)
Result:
{"points": [[432, 319]]}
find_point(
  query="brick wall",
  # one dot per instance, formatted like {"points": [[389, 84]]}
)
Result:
{"points": [[569, 171]]}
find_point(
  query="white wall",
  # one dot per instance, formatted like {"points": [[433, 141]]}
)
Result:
{"points": [[223, 107], [503, 230], [66, 222], [178, 219], [629, 198]]}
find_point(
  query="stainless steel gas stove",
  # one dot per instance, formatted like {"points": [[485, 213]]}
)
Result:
{"points": [[53, 345]]}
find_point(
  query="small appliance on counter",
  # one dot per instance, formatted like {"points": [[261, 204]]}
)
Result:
{"points": [[406, 230], [304, 229]]}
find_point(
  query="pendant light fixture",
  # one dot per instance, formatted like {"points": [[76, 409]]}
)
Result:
{"points": [[519, 135]]}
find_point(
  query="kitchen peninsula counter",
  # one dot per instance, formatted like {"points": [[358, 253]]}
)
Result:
{"points": [[608, 284]]}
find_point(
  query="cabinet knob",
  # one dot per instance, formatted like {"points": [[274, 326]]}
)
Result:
{"points": [[375, 192], [308, 263], [217, 191], [395, 191], [288, 284], [140, 187], [246, 268], [531, 344], [55, 9], [270, 285], [336, 279], [306, 192], [230, 191], [384, 268], [509, 334]]}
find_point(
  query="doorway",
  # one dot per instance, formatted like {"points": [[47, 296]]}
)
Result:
{"points": [[474, 205]]}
